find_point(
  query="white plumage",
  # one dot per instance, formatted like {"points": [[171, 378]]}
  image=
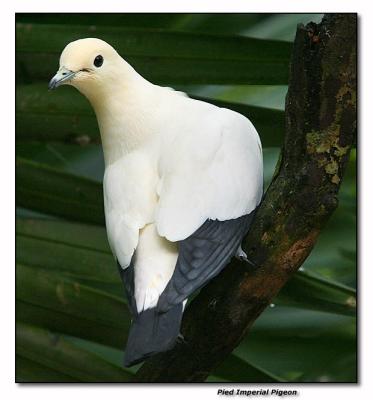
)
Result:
{"points": [[171, 163]]}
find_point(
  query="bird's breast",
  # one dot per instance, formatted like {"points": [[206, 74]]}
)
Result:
{"points": [[130, 200]]}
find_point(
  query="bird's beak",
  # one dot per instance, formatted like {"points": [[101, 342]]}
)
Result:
{"points": [[63, 75]]}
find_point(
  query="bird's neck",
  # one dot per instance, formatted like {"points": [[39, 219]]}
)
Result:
{"points": [[125, 112]]}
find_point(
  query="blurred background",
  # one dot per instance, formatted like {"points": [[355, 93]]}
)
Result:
{"points": [[71, 314]]}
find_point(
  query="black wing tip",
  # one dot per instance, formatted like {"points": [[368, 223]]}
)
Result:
{"points": [[152, 332], [132, 359]]}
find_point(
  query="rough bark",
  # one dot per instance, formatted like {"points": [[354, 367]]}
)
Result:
{"points": [[320, 131]]}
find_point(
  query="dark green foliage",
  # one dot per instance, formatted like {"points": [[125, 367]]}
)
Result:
{"points": [[162, 56]]}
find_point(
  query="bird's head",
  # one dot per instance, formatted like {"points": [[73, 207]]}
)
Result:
{"points": [[89, 65]]}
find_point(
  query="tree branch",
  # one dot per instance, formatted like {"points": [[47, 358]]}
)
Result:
{"points": [[320, 131]]}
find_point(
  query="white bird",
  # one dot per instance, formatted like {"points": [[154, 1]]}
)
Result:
{"points": [[182, 181]]}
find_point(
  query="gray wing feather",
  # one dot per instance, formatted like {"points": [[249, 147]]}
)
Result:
{"points": [[128, 279], [202, 256]]}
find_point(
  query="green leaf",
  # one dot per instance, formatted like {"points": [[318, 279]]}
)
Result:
{"points": [[57, 232], [213, 23], [264, 96], [49, 190], [302, 346], [30, 371], [86, 161], [52, 300], [309, 291], [137, 20], [77, 261], [65, 115], [160, 56], [52, 351], [80, 252]]}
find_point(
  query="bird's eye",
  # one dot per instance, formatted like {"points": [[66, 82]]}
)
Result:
{"points": [[99, 60]]}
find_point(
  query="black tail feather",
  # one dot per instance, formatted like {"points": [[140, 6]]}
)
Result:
{"points": [[152, 332]]}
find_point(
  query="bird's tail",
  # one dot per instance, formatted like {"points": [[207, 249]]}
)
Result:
{"points": [[152, 332]]}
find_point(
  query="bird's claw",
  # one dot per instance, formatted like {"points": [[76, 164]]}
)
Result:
{"points": [[242, 256], [181, 339]]}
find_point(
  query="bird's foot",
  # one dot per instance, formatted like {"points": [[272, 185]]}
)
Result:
{"points": [[242, 256], [181, 339]]}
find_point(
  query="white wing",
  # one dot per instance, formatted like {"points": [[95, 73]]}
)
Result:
{"points": [[211, 170]]}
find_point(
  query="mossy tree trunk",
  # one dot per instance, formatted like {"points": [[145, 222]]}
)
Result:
{"points": [[320, 131]]}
